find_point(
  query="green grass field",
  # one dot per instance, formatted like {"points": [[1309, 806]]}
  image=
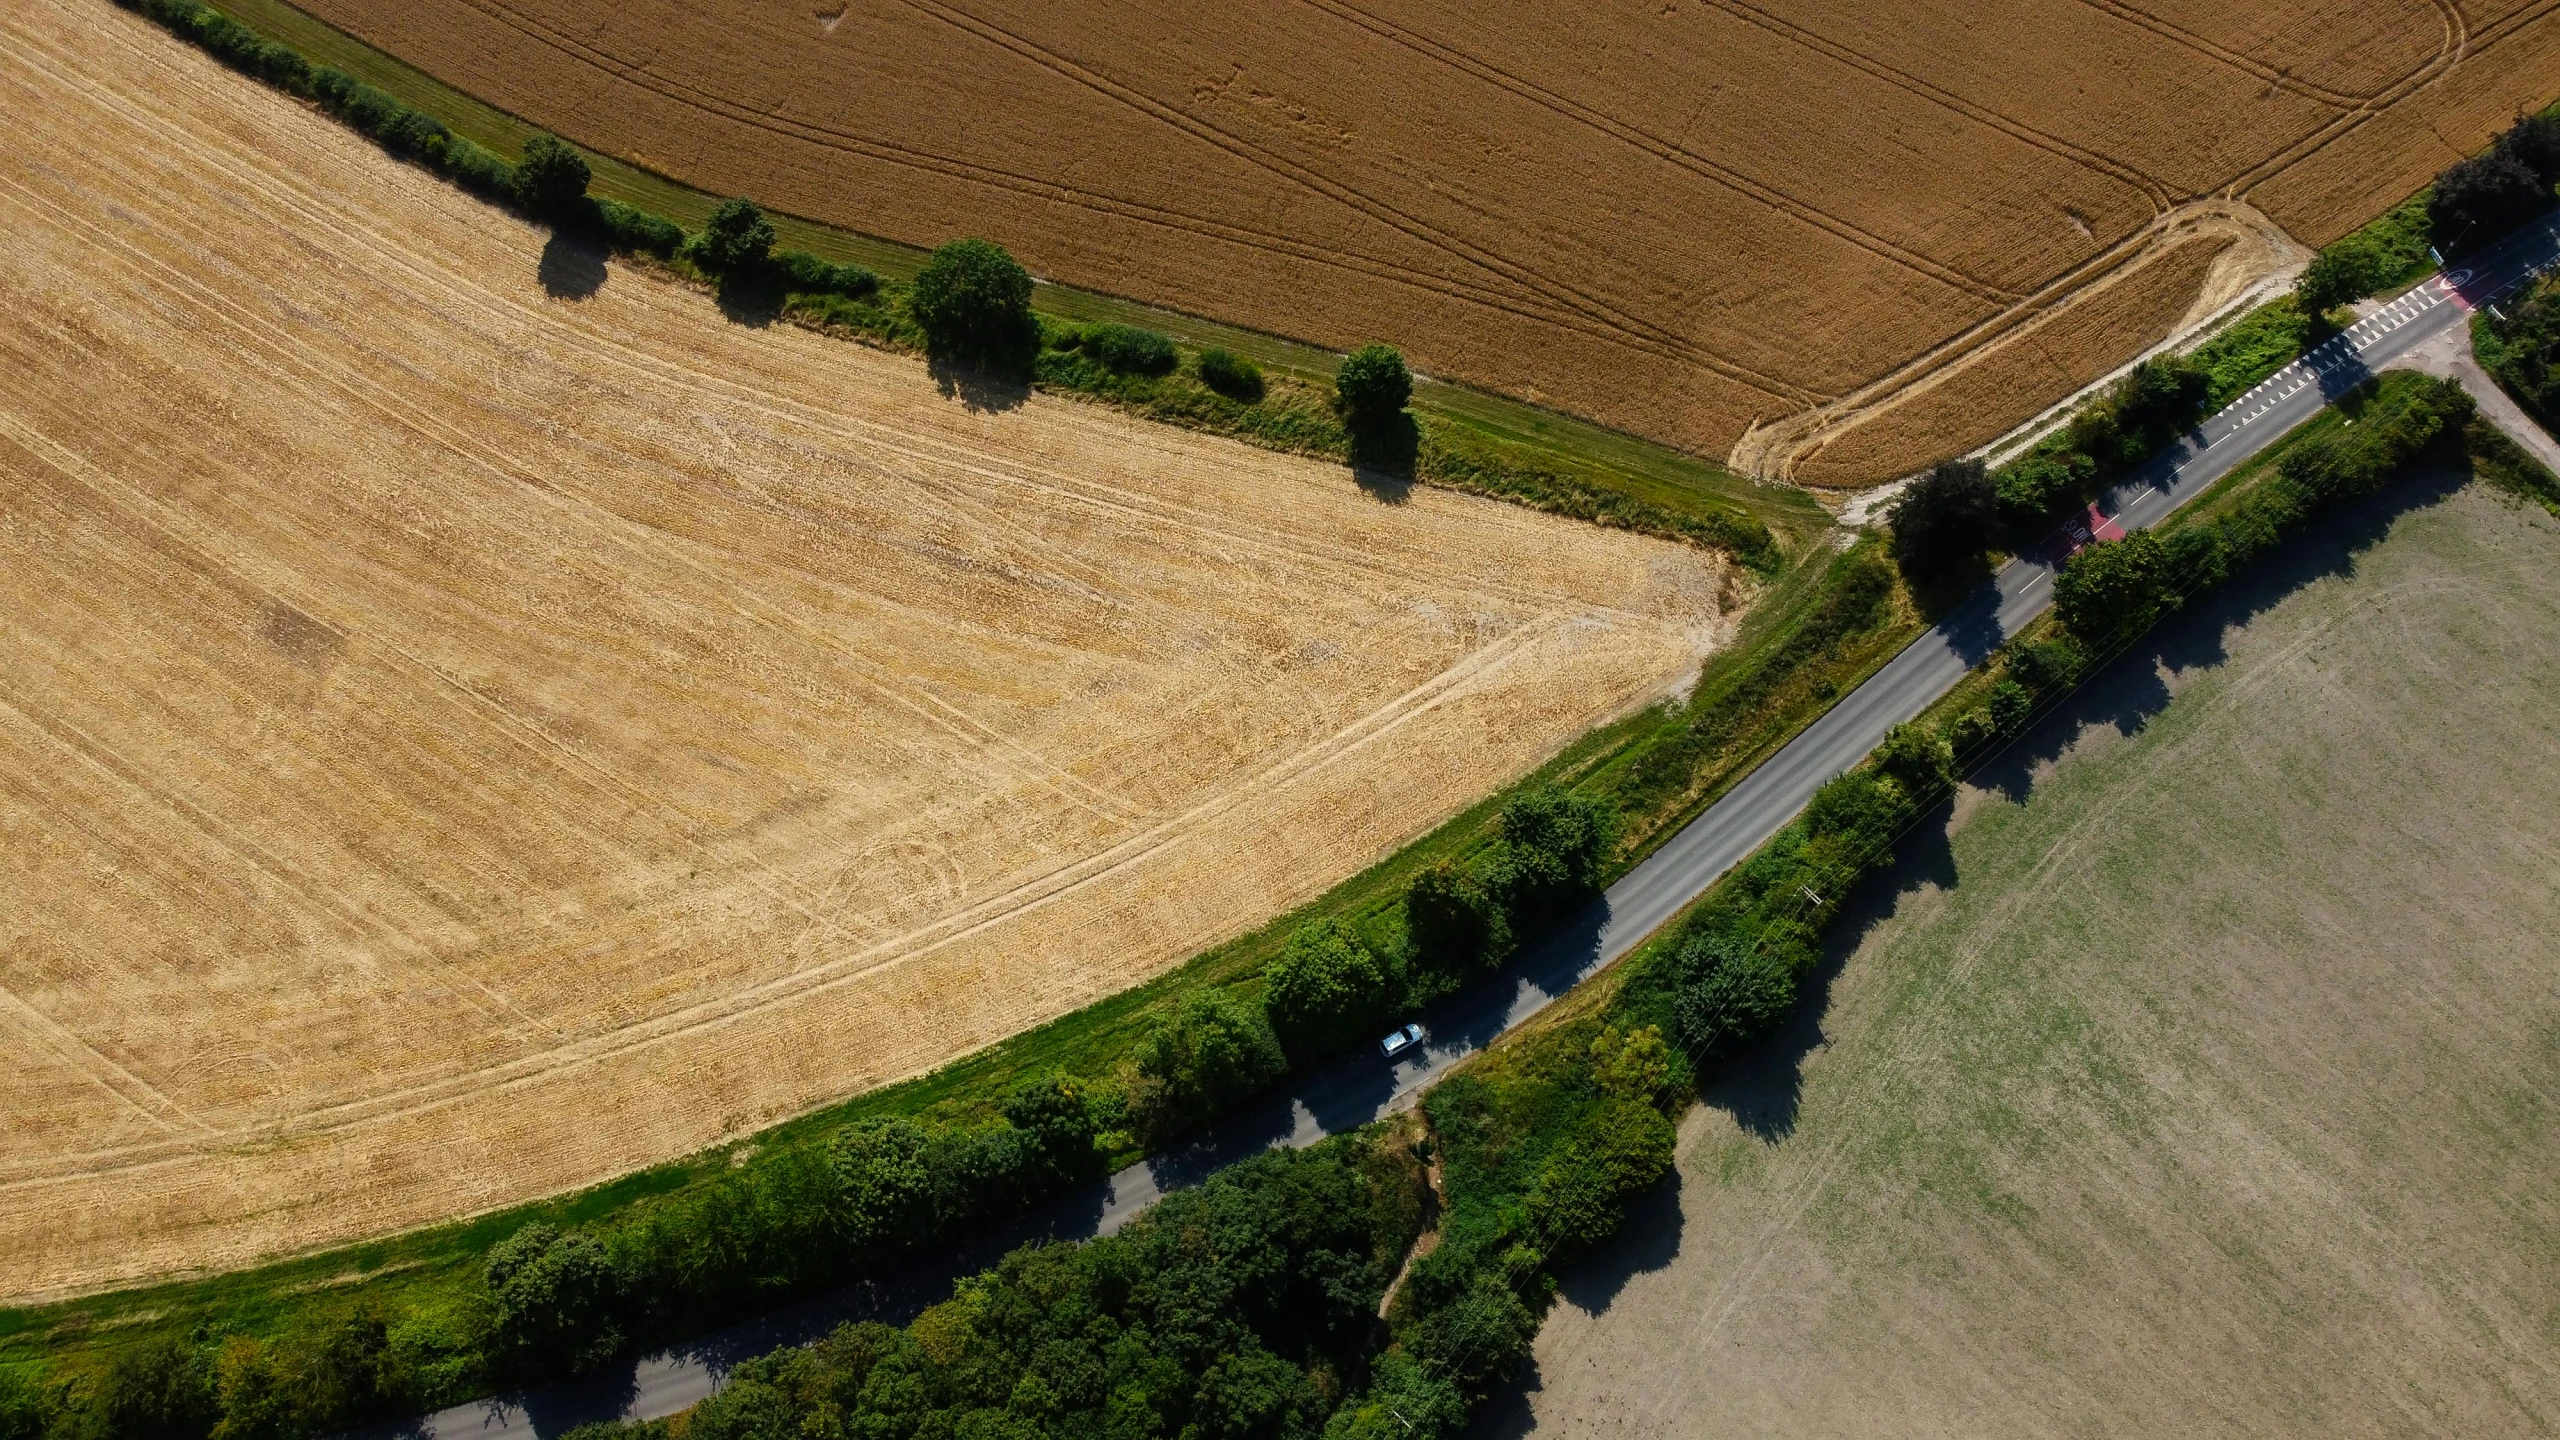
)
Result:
{"points": [[2200, 1081]]}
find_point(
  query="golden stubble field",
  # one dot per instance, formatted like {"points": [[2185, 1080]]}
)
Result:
{"points": [[1686, 218], [458, 744], [2210, 1089]]}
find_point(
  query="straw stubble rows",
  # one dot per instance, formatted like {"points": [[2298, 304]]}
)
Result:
{"points": [[459, 743]]}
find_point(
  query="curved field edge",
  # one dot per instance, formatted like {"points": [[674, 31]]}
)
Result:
{"points": [[1493, 438], [1586, 764]]}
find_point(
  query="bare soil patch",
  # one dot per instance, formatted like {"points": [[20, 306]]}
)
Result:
{"points": [[1683, 219], [2202, 1085], [458, 744]]}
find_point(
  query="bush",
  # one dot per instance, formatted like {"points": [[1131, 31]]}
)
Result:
{"points": [[736, 241], [551, 179], [1730, 993], [1453, 925], [973, 302], [476, 170], [1373, 386], [2113, 590], [635, 231], [1944, 519], [1212, 1051], [1326, 990], [1230, 374], [810, 275], [1130, 350], [1859, 806], [2010, 705], [2477, 201], [1631, 1064], [2046, 667]]}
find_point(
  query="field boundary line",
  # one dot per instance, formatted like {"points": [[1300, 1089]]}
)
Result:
{"points": [[1773, 451], [945, 455], [1532, 302]]}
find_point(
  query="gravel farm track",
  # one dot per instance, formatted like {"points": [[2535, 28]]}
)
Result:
{"points": [[473, 723], [1833, 239]]}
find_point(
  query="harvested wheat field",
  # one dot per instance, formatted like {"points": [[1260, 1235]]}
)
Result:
{"points": [[458, 744], [2204, 1083], [1684, 219]]}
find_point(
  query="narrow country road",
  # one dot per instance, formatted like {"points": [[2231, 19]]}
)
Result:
{"points": [[1363, 1088]]}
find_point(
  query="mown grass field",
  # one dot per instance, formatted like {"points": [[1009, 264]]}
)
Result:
{"points": [[2199, 1081]]}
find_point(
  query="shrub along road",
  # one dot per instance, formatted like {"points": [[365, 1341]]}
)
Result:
{"points": [[1364, 1088]]}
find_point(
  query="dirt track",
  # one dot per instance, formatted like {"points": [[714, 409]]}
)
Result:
{"points": [[1681, 218], [459, 743]]}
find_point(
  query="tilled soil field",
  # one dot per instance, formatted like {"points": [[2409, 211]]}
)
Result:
{"points": [[2202, 1084], [1681, 218], [460, 742]]}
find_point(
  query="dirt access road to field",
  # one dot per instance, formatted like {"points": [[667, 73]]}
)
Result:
{"points": [[2207, 1092], [459, 743], [1879, 232]]}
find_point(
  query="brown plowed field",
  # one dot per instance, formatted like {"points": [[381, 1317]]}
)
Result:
{"points": [[458, 744], [1681, 218]]}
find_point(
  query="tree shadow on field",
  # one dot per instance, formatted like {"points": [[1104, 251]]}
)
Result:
{"points": [[750, 299], [2127, 692], [1762, 1089], [1383, 456], [1648, 1240], [979, 391], [570, 268]]}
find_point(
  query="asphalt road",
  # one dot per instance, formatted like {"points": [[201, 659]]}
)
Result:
{"points": [[1364, 1088]]}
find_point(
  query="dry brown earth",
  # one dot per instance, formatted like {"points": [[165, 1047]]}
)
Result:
{"points": [[458, 744], [2210, 1092], [1682, 217]]}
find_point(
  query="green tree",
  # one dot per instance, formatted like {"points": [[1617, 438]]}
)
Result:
{"points": [[1918, 759], [1476, 1342], [1373, 385], [555, 1295], [2477, 201], [1050, 1108], [1555, 845], [551, 178], [736, 241], [1944, 519], [973, 302], [882, 1186], [1730, 993], [162, 1390], [2113, 591], [1453, 925], [1212, 1051], [1325, 988]]}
